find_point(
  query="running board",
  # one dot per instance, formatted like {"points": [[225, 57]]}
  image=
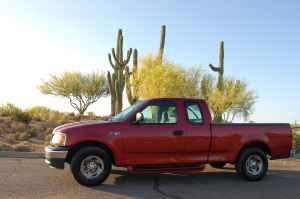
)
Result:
{"points": [[166, 169]]}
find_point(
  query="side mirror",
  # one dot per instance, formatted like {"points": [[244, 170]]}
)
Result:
{"points": [[139, 117]]}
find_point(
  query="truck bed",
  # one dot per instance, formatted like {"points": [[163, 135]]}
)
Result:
{"points": [[229, 139]]}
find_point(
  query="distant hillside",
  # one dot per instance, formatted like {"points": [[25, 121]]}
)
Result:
{"points": [[31, 130]]}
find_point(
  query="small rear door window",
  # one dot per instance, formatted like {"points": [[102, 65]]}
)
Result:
{"points": [[193, 112]]}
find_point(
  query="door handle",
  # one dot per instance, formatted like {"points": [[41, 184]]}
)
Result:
{"points": [[178, 133]]}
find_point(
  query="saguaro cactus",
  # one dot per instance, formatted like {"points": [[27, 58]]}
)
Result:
{"points": [[131, 79], [117, 79], [162, 43], [220, 69]]}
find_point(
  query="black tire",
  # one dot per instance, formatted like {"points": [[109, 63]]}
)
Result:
{"points": [[87, 152], [244, 170], [218, 165]]}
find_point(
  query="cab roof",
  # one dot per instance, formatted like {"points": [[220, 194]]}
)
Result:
{"points": [[174, 98]]}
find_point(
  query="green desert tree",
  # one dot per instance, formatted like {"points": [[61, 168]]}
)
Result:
{"points": [[80, 89], [158, 78], [235, 100]]}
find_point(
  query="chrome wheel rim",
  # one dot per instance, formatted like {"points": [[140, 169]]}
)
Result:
{"points": [[91, 167], [254, 164]]}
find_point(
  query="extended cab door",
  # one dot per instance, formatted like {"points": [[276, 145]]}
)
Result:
{"points": [[197, 132], [157, 138]]}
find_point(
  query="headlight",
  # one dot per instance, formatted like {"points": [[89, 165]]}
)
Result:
{"points": [[58, 139]]}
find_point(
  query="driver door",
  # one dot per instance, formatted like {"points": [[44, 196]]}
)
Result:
{"points": [[157, 138]]}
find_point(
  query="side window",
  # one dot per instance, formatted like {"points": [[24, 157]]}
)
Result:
{"points": [[160, 113], [193, 112]]}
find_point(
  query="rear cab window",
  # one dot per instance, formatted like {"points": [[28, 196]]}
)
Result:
{"points": [[193, 112]]}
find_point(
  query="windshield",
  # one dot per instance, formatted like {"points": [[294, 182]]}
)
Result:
{"points": [[128, 111]]}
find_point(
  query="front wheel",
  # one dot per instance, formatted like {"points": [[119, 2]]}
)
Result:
{"points": [[252, 164], [90, 166]]}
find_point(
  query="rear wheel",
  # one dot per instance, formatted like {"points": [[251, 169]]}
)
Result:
{"points": [[252, 164], [90, 166], [218, 165]]}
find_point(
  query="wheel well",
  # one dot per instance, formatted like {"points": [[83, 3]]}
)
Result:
{"points": [[259, 145], [81, 145]]}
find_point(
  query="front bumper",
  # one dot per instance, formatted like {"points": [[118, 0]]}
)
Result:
{"points": [[56, 156]]}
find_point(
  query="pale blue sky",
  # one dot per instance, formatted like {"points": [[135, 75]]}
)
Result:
{"points": [[262, 44]]}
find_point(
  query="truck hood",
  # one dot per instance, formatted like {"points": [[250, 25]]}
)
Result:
{"points": [[80, 124]]}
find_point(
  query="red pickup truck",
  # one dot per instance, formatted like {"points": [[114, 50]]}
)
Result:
{"points": [[166, 135]]}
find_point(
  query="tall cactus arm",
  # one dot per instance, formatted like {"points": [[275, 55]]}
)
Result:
{"points": [[128, 84], [220, 68], [120, 48], [110, 61], [221, 55], [135, 60], [117, 88], [116, 58], [215, 69], [127, 72], [134, 69], [110, 83], [129, 52], [131, 78], [121, 82], [162, 41], [122, 63], [119, 43]]}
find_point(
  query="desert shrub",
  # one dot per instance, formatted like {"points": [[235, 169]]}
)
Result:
{"points": [[33, 131], [297, 142], [23, 117], [4, 128], [48, 131], [5, 147], [18, 126], [43, 134], [15, 112], [10, 138], [22, 136], [41, 113], [9, 109], [47, 139], [22, 147], [38, 126], [5, 121]]}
